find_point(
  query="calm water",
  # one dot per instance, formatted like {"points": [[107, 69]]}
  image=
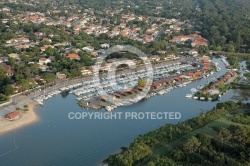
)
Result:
{"points": [[56, 140]]}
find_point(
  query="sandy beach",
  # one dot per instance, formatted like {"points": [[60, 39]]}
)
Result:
{"points": [[26, 118]]}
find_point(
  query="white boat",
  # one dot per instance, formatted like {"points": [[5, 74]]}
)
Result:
{"points": [[162, 92], [200, 87], [189, 95], [40, 102], [193, 90], [219, 99], [202, 98], [108, 108], [195, 97]]}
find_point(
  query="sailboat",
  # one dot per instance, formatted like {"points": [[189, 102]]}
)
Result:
{"points": [[219, 98]]}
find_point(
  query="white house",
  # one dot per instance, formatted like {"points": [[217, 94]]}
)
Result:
{"points": [[105, 45], [60, 75], [14, 55], [86, 71], [88, 49], [43, 67], [44, 61]]}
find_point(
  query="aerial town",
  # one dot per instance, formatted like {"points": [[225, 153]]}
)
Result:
{"points": [[60, 60]]}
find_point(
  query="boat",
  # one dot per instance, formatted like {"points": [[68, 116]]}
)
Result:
{"points": [[200, 87], [219, 98], [189, 95], [108, 108], [161, 92], [195, 97], [193, 90], [202, 98]]}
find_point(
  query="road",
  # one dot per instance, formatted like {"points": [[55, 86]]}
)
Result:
{"points": [[229, 53], [159, 34]]}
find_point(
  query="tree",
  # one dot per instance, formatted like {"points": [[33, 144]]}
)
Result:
{"points": [[49, 77], [25, 84], [8, 90], [230, 48], [12, 61], [34, 68], [142, 82], [50, 51], [25, 106], [192, 145], [96, 45], [224, 135]]}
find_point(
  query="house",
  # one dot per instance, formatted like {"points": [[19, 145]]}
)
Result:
{"points": [[9, 41], [94, 53], [44, 61], [88, 49], [23, 39], [199, 42], [74, 56], [13, 115], [14, 55], [22, 46], [4, 59], [39, 34], [154, 58], [8, 70], [198, 74], [148, 38], [117, 95], [105, 45], [196, 39], [61, 76], [175, 27], [47, 40], [43, 67], [86, 71], [52, 58], [171, 56], [193, 52]]}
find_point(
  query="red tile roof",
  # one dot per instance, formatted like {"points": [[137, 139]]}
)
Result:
{"points": [[12, 115], [73, 56]]}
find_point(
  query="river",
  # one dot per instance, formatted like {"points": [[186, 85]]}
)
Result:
{"points": [[57, 140]]}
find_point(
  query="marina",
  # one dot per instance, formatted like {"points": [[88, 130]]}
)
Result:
{"points": [[89, 134], [113, 92]]}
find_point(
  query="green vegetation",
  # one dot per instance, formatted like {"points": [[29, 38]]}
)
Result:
{"points": [[26, 108], [212, 138], [243, 118], [241, 86], [3, 99], [230, 30], [142, 82]]}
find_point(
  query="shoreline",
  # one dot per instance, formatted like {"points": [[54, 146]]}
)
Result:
{"points": [[26, 119]]}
